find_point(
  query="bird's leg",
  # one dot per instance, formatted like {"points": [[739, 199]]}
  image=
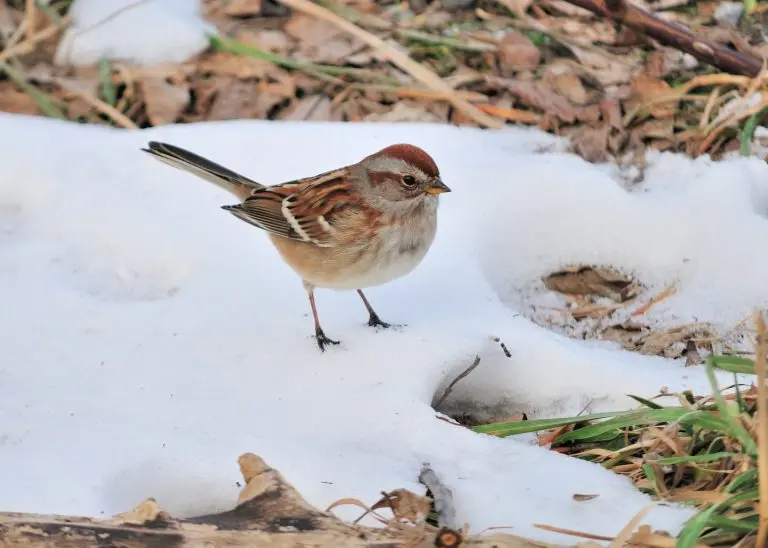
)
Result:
{"points": [[322, 340], [373, 320]]}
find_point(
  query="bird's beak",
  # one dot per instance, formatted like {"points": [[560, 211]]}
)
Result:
{"points": [[437, 187]]}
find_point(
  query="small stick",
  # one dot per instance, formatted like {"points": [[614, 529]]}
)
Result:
{"points": [[463, 374], [442, 496], [671, 34]]}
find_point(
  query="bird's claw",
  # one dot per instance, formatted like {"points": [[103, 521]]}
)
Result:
{"points": [[375, 321], [322, 340]]}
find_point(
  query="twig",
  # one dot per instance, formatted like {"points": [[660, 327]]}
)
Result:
{"points": [[677, 36], [398, 58], [442, 497], [463, 374]]}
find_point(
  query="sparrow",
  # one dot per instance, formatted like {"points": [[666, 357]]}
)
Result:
{"points": [[351, 228]]}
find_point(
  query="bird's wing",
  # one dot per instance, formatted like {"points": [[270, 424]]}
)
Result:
{"points": [[320, 210]]}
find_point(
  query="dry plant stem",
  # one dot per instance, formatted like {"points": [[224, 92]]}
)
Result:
{"points": [[30, 43], [463, 374], [673, 35], [442, 496], [31, 16], [269, 512], [761, 361], [401, 60]]}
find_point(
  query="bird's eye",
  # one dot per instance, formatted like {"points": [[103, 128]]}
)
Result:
{"points": [[409, 180]]}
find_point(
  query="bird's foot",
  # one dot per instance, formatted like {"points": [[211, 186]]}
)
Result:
{"points": [[322, 340], [375, 321]]}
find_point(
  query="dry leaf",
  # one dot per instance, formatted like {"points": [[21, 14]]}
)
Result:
{"points": [[242, 8], [590, 143], [645, 88], [275, 41], [518, 7], [244, 100], [320, 41], [164, 102], [14, 100], [311, 107], [517, 52], [534, 95], [588, 280], [405, 505], [570, 87]]}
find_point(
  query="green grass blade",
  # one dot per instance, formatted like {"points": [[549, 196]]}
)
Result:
{"points": [[749, 130], [704, 457], [504, 429], [108, 89], [647, 403], [736, 430], [632, 418], [733, 364], [742, 526]]}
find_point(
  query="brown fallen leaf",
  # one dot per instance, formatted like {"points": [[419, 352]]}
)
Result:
{"points": [[14, 100], [242, 8], [320, 41], [518, 7], [311, 107], [405, 505], [644, 89], [164, 102], [569, 86], [517, 52], [534, 95], [588, 280], [590, 143], [272, 40]]}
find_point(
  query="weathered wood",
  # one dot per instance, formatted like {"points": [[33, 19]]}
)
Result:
{"points": [[269, 512], [671, 34]]}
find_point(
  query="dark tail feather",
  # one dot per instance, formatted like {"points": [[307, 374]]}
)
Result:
{"points": [[224, 178]]}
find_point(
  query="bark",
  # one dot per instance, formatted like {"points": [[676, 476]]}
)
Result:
{"points": [[673, 35], [269, 512]]}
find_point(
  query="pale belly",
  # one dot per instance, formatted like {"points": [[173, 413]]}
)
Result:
{"points": [[359, 267]]}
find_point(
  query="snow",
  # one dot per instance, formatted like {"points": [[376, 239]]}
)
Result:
{"points": [[152, 337], [142, 32]]}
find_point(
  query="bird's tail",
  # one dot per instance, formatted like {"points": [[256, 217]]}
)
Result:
{"points": [[240, 186]]}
